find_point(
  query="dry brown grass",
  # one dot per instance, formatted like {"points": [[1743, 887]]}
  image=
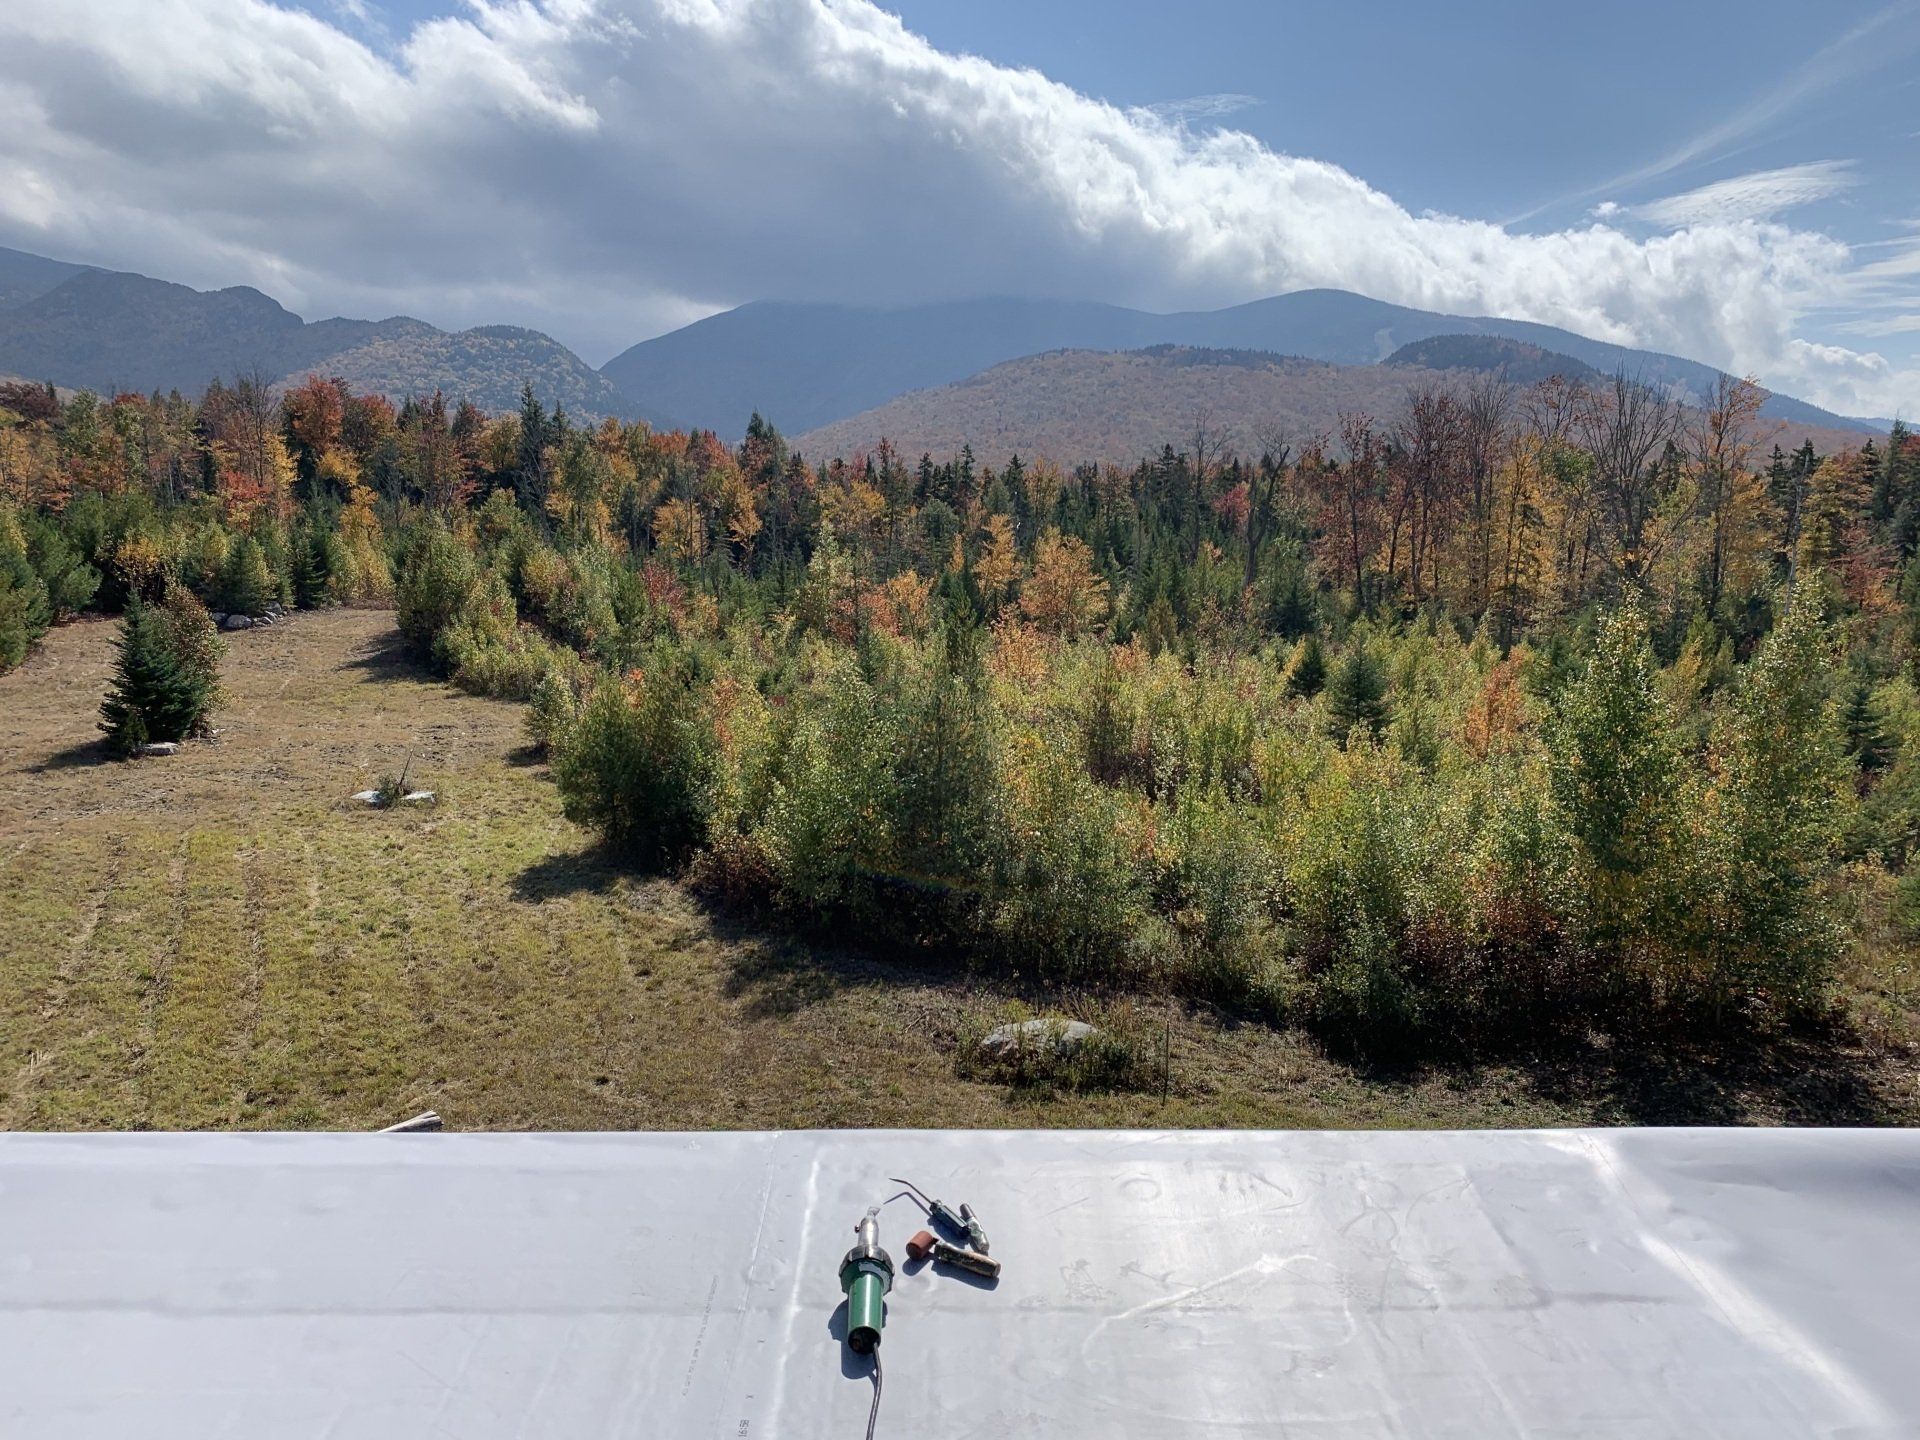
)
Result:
{"points": [[223, 939]]}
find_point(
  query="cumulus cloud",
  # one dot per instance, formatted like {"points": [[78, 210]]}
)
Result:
{"points": [[604, 169], [1753, 196]]}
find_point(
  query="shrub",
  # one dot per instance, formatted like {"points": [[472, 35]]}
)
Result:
{"points": [[503, 667], [194, 642], [638, 763], [1067, 892], [201, 561], [1220, 885], [1354, 882], [827, 813], [484, 649], [438, 578], [556, 702]]}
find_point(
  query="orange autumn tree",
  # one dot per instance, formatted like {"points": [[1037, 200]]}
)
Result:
{"points": [[253, 473]]}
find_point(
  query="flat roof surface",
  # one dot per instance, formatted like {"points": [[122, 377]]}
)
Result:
{"points": [[1622, 1283]]}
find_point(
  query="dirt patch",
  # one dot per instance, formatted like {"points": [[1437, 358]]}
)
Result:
{"points": [[317, 703]]}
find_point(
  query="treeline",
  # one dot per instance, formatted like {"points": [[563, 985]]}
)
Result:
{"points": [[1518, 709]]}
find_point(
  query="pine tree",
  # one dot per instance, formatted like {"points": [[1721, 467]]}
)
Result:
{"points": [[1866, 735], [153, 696], [1357, 697], [246, 584], [313, 563], [1309, 674]]}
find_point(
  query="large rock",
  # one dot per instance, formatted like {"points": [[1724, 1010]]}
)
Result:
{"points": [[1031, 1037], [236, 622]]}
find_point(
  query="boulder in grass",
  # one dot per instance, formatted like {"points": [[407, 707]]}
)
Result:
{"points": [[381, 799], [1032, 1037], [158, 747], [237, 622]]}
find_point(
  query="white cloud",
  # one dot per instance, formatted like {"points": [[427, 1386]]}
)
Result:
{"points": [[1892, 325], [607, 168], [1753, 196], [1202, 107]]}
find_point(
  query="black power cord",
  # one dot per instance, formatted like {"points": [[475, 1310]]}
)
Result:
{"points": [[873, 1415]]}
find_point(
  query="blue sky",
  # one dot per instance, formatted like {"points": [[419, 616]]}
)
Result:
{"points": [[1739, 182], [1501, 109]]}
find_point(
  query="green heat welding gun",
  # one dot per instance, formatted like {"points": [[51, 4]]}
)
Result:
{"points": [[866, 1275]]}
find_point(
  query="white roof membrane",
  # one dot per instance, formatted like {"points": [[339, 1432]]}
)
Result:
{"points": [[1693, 1283]]}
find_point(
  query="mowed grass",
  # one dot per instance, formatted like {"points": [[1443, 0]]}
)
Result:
{"points": [[224, 940]]}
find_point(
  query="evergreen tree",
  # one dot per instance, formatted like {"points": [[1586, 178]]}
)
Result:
{"points": [[1861, 724], [313, 563], [16, 626], [531, 472], [25, 608], [1783, 775], [1357, 697], [153, 696], [1610, 743], [1309, 674], [246, 584], [1290, 601]]}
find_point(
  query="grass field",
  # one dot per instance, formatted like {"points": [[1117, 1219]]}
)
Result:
{"points": [[222, 939]]}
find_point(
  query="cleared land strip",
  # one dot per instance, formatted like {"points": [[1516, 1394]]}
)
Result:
{"points": [[221, 939]]}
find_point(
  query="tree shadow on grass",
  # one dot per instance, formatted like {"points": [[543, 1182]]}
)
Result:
{"points": [[1820, 1076], [593, 871], [79, 755], [1667, 1075], [388, 659], [779, 965], [776, 973]]}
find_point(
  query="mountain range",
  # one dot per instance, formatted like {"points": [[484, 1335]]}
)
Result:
{"points": [[805, 367], [109, 331]]}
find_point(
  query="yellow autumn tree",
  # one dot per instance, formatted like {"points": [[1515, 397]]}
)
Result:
{"points": [[998, 562], [680, 531], [1064, 594]]}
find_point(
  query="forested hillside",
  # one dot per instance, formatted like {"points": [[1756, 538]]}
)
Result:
{"points": [[1494, 715], [1074, 406]]}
